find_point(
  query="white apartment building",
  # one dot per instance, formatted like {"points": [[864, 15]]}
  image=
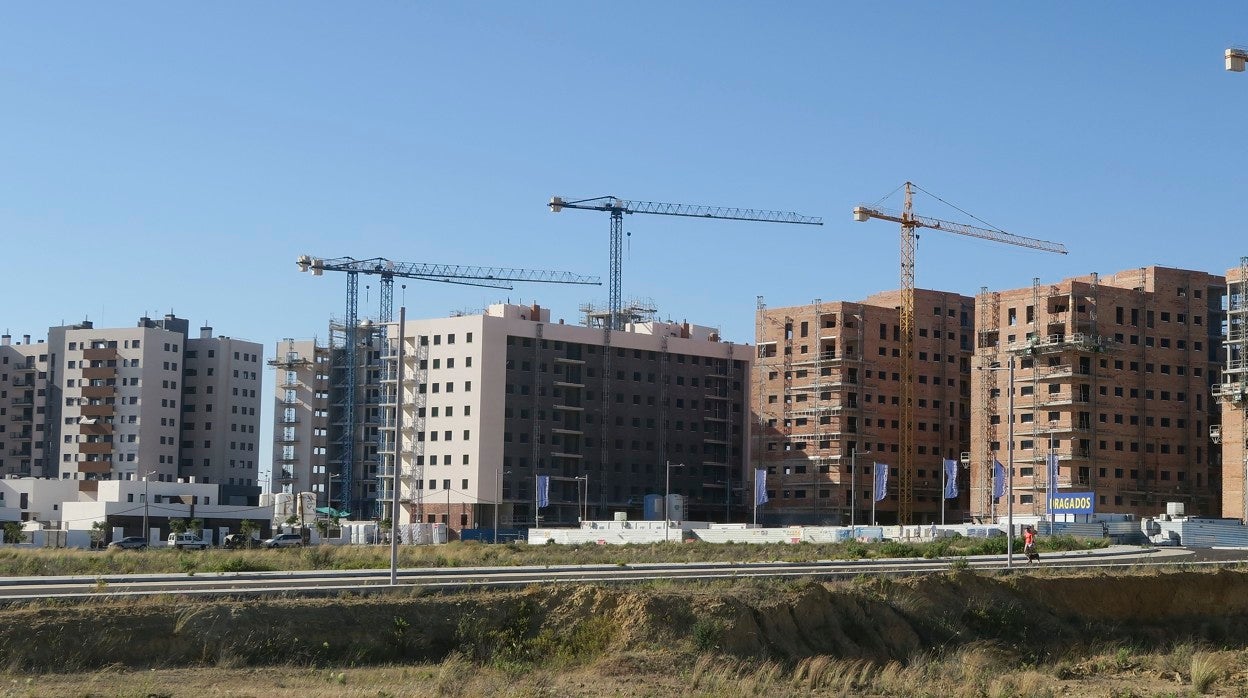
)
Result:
{"points": [[23, 387], [94, 404]]}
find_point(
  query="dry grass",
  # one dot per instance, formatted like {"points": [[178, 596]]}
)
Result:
{"points": [[1206, 669], [41, 562], [989, 674]]}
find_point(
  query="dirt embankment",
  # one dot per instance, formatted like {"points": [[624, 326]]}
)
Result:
{"points": [[876, 619]]}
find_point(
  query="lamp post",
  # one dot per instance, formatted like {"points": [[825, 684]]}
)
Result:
{"points": [[498, 498], [853, 481], [667, 493], [147, 531], [583, 496], [396, 460], [1009, 460], [1009, 473]]}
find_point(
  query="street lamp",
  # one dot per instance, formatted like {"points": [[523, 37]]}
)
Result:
{"points": [[147, 531], [853, 481], [667, 493], [1009, 460], [498, 498], [583, 501]]}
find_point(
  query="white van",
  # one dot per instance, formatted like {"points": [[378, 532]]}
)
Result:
{"points": [[186, 540]]}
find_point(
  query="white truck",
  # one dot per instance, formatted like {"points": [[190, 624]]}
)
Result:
{"points": [[181, 541]]}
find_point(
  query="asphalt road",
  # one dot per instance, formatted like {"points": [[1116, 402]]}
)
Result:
{"points": [[16, 589]]}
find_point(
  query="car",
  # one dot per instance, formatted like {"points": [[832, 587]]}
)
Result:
{"points": [[129, 543], [187, 540], [236, 540], [284, 540]]}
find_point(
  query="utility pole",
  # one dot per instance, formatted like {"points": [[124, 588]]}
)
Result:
{"points": [[396, 461], [667, 493], [147, 531]]}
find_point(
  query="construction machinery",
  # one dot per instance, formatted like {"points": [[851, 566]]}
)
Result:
{"points": [[388, 270], [1235, 58], [910, 222], [618, 207]]}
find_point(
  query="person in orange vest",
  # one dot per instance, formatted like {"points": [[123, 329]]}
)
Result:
{"points": [[1029, 544]]}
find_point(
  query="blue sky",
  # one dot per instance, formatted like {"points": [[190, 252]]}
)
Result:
{"points": [[178, 156]]}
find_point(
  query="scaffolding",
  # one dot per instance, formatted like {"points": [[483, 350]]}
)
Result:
{"points": [[290, 362], [1232, 390], [989, 344]]}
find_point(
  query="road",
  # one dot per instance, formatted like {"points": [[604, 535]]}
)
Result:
{"points": [[333, 581]]}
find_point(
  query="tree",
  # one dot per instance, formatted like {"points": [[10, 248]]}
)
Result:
{"points": [[292, 520], [195, 525], [177, 525], [99, 531], [248, 529], [13, 532]]}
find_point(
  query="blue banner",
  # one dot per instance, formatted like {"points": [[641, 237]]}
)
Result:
{"points": [[881, 481], [1073, 503], [1054, 471], [951, 479], [998, 479], [760, 485], [543, 491]]}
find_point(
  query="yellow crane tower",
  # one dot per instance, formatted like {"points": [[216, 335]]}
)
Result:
{"points": [[910, 221]]}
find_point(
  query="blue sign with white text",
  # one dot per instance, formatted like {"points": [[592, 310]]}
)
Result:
{"points": [[1072, 503]]}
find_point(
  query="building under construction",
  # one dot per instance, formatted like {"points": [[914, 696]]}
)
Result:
{"points": [[1232, 393], [827, 395], [1111, 374], [493, 400]]}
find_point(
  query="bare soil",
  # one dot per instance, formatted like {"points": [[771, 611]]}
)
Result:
{"points": [[953, 634]]}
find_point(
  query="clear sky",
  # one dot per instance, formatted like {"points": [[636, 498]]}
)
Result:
{"points": [[178, 156]]}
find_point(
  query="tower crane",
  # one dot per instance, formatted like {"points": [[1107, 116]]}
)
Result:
{"points": [[387, 270], [910, 222], [618, 207]]}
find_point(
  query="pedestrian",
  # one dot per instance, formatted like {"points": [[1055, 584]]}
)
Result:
{"points": [[1029, 544]]}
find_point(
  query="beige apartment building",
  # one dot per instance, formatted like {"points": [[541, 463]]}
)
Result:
{"points": [[1113, 375], [23, 386], [125, 403], [827, 397], [1232, 395], [493, 400]]}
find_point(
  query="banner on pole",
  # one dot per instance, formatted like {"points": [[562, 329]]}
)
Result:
{"points": [[543, 491], [760, 485], [951, 479], [881, 481], [998, 479]]}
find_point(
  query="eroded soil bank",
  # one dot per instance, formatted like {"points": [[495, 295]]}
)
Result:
{"points": [[875, 619]]}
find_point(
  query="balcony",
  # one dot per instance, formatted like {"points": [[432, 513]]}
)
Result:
{"points": [[23, 401], [98, 410], [100, 354], [24, 368], [96, 467], [99, 372], [95, 447], [95, 392]]}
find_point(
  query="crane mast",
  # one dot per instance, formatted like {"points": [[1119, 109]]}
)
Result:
{"points": [[618, 207], [910, 222], [387, 270]]}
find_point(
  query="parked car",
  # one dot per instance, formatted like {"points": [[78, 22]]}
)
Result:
{"points": [[187, 540], [129, 543], [284, 540], [236, 540]]}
